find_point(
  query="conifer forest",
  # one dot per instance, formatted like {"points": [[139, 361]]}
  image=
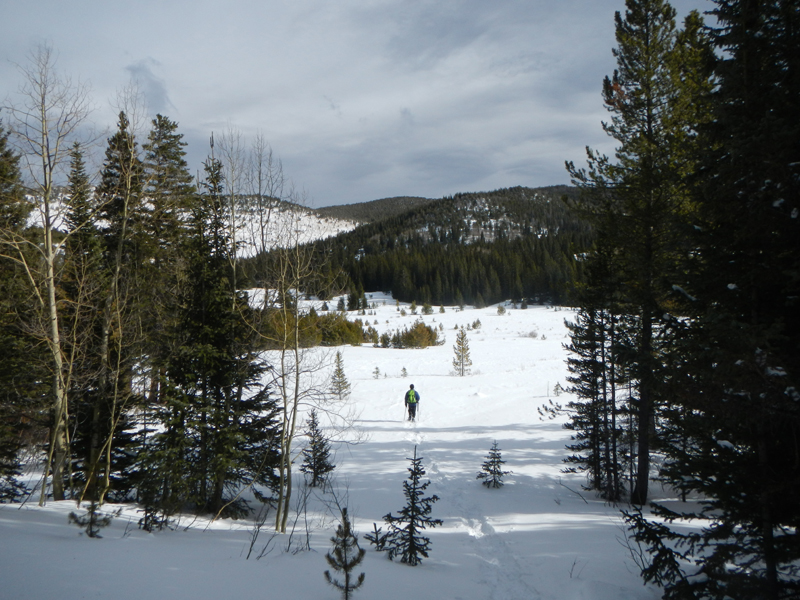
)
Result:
{"points": [[172, 339]]}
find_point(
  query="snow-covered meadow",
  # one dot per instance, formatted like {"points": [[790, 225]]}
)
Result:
{"points": [[539, 536]]}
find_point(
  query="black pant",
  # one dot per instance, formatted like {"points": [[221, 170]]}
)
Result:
{"points": [[412, 410]]}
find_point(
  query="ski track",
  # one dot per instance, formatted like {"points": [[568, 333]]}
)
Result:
{"points": [[501, 571]]}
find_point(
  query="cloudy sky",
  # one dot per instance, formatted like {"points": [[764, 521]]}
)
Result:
{"points": [[361, 99]]}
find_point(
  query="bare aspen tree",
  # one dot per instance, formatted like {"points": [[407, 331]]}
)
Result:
{"points": [[48, 117], [265, 184], [288, 269], [292, 270], [233, 158]]}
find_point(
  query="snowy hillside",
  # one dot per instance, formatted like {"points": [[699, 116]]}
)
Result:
{"points": [[535, 538], [286, 222]]}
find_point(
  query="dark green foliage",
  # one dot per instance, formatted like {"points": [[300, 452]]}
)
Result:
{"points": [[220, 427], [22, 391], [119, 192], [93, 521], [492, 469], [346, 556], [97, 286], [598, 380], [639, 203], [403, 539], [370, 212], [734, 422], [14, 210], [317, 453]]}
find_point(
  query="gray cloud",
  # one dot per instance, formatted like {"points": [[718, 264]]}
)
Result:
{"points": [[152, 86], [361, 100]]}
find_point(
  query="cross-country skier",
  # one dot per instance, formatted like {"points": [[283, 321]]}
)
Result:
{"points": [[412, 399]]}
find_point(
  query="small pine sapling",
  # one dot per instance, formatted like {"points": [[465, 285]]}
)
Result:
{"points": [[346, 556], [93, 521], [340, 387], [461, 361], [403, 537], [492, 469], [377, 538], [316, 455]]}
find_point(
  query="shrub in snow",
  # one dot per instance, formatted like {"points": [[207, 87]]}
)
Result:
{"points": [[346, 556], [93, 521], [317, 455], [492, 469], [403, 539]]}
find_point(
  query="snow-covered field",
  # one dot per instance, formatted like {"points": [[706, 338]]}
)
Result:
{"points": [[533, 538]]}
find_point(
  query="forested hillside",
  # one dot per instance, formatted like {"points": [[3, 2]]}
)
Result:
{"points": [[376, 210], [518, 243]]}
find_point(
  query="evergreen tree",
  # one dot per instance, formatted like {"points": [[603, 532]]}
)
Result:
{"points": [[99, 284], [340, 387], [93, 521], [595, 377], [85, 286], [171, 195], [737, 420], [403, 538], [638, 203], [21, 362], [119, 192], [317, 454], [492, 469], [461, 361], [219, 429], [14, 210], [346, 556]]}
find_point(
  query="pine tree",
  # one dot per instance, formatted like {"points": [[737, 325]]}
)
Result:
{"points": [[340, 387], [317, 454], [346, 556], [637, 204], [101, 283], [403, 538], [736, 420], [165, 219], [461, 361], [92, 521], [595, 376], [22, 375], [492, 469], [219, 425], [85, 286]]}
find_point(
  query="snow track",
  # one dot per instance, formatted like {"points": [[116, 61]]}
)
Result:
{"points": [[501, 572]]}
